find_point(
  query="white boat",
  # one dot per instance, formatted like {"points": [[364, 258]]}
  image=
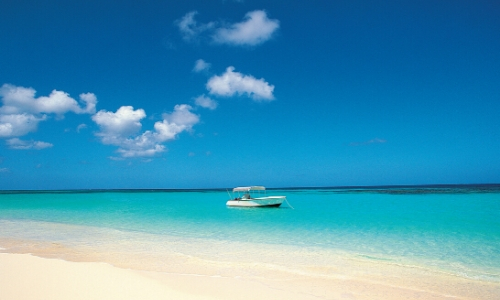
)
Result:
{"points": [[250, 196]]}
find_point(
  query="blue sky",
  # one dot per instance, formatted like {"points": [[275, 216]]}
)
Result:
{"points": [[206, 94]]}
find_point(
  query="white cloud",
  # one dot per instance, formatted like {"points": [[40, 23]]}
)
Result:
{"points": [[179, 120], [18, 144], [116, 158], [4, 170], [90, 100], [231, 83], [121, 129], [19, 100], [18, 124], [255, 29], [201, 65], [22, 111], [80, 127], [372, 141], [205, 102], [141, 152], [125, 122], [189, 28]]}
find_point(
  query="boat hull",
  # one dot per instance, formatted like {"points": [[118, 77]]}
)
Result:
{"points": [[272, 201]]}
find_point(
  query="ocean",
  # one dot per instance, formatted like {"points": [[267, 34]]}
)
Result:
{"points": [[452, 230]]}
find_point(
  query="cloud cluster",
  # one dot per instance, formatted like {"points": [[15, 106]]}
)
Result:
{"points": [[255, 29], [19, 100], [121, 129], [21, 112], [231, 83]]}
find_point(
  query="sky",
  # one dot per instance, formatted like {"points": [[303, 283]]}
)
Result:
{"points": [[220, 93]]}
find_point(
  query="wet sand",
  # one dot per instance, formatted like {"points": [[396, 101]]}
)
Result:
{"points": [[99, 276]]}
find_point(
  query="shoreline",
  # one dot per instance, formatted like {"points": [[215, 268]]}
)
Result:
{"points": [[199, 278], [122, 248]]}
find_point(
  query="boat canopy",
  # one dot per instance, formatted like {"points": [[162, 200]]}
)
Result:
{"points": [[249, 188]]}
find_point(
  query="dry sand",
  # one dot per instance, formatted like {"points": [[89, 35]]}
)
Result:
{"points": [[27, 277]]}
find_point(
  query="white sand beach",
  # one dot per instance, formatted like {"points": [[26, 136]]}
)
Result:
{"points": [[27, 277]]}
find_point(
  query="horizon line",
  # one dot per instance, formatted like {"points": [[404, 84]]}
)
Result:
{"points": [[343, 187]]}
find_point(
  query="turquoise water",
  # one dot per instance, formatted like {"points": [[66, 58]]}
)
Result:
{"points": [[456, 229]]}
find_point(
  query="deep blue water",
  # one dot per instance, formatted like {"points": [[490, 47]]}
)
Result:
{"points": [[457, 226]]}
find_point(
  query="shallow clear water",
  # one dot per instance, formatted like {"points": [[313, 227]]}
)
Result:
{"points": [[456, 229]]}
